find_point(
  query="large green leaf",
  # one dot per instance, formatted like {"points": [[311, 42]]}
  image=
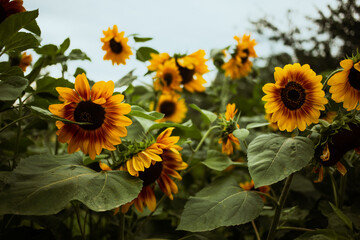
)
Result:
{"points": [[126, 80], [223, 203], [12, 87], [218, 161], [12, 24], [209, 116], [322, 234], [48, 84], [143, 53], [21, 41], [7, 71], [271, 157], [342, 216], [45, 184], [241, 133], [137, 111]]}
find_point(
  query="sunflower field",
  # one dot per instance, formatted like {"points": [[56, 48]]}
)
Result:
{"points": [[257, 152]]}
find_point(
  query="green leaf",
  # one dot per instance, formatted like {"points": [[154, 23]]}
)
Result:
{"points": [[271, 158], [77, 54], [45, 184], [256, 125], [223, 203], [33, 27], [45, 114], [21, 41], [49, 49], [12, 87], [241, 133], [218, 161], [322, 234], [48, 85], [126, 80], [143, 53], [142, 39], [209, 116], [12, 24], [64, 46], [137, 111], [7, 71], [342, 216]]}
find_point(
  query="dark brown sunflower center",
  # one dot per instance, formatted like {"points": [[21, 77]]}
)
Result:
{"points": [[168, 79], [89, 112], [245, 58], [354, 78], [167, 108], [115, 46], [186, 74], [293, 95], [151, 174]]}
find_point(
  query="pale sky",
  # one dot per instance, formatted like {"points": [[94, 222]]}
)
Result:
{"points": [[176, 26]]}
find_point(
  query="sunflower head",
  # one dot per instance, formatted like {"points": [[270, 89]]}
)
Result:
{"points": [[100, 110], [22, 61], [296, 97], [8, 8], [191, 68], [345, 85], [168, 77], [115, 45], [239, 65], [157, 60], [159, 171], [172, 106], [228, 123]]}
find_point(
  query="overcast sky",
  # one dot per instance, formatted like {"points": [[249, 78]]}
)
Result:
{"points": [[176, 26]]}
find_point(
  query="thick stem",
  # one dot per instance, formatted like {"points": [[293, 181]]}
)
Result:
{"points": [[279, 208], [256, 230], [334, 188], [122, 226], [204, 137]]}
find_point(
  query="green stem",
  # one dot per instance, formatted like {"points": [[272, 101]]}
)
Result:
{"points": [[15, 121], [343, 180], [204, 137], [256, 230], [78, 220], [122, 226], [223, 94], [56, 145], [295, 229], [331, 74], [279, 208], [334, 188], [18, 136]]}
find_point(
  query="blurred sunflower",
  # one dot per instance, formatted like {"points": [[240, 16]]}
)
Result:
{"points": [[168, 77], [296, 97], [157, 60], [115, 45], [345, 85], [272, 125], [8, 8], [191, 68], [160, 172], [227, 139], [97, 106], [239, 65], [23, 61], [250, 186], [173, 108]]}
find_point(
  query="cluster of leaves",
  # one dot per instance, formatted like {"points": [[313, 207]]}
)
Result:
{"points": [[47, 193]]}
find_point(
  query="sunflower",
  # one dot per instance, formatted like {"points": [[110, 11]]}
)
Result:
{"points": [[345, 85], [25, 61], [97, 106], [8, 8], [160, 172], [115, 45], [272, 125], [227, 138], [157, 60], [248, 186], [239, 64], [168, 77], [296, 97], [191, 68], [173, 108]]}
